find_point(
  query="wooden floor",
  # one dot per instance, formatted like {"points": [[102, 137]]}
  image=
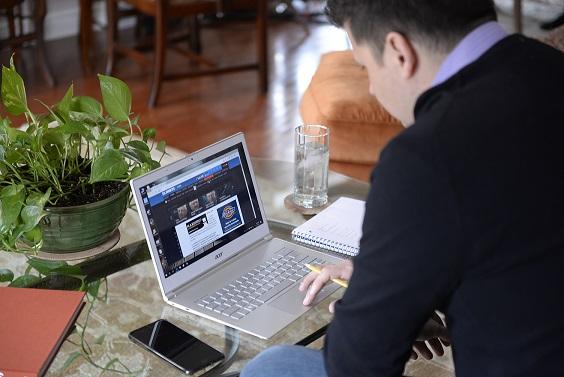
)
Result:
{"points": [[195, 112]]}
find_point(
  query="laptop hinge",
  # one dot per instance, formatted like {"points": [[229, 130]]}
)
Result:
{"points": [[172, 294]]}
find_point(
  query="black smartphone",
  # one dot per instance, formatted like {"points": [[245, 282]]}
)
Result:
{"points": [[176, 346]]}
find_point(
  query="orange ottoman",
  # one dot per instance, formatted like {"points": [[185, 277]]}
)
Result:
{"points": [[338, 98]]}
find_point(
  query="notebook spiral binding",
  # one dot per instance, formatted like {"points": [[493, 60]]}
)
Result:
{"points": [[323, 243]]}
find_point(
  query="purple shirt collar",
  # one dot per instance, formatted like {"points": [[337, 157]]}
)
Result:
{"points": [[469, 49]]}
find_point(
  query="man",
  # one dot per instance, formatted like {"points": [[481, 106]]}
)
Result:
{"points": [[466, 210]]}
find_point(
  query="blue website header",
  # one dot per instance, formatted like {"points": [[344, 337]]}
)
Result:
{"points": [[161, 197]]}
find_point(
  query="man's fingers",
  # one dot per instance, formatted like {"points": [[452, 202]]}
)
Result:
{"points": [[308, 279], [436, 346], [423, 350], [312, 276], [332, 306], [314, 288], [313, 282], [437, 318], [433, 329]]}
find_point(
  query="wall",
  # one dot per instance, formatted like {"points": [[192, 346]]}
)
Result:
{"points": [[63, 17]]}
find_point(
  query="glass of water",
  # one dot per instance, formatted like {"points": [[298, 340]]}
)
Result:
{"points": [[311, 165]]}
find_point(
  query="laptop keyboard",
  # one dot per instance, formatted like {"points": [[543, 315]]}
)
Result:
{"points": [[255, 288]]}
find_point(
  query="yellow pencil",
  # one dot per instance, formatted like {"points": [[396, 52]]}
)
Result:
{"points": [[342, 282]]}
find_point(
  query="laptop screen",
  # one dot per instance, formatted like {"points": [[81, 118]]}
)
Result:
{"points": [[200, 208]]}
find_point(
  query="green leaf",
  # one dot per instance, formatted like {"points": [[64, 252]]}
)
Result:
{"points": [[136, 155], [13, 90], [116, 142], [33, 212], [140, 170], [11, 190], [116, 97], [54, 136], [13, 156], [84, 117], [70, 359], [39, 199], [135, 120], [65, 104], [138, 144], [149, 133], [136, 172], [109, 166], [31, 215], [161, 146], [68, 270], [153, 164], [118, 131], [11, 198], [20, 136], [88, 105], [4, 129], [93, 288], [6, 275], [5, 123], [73, 127], [86, 110], [25, 281], [35, 235], [47, 267]]}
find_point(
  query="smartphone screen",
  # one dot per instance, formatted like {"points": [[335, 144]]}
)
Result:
{"points": [[176, 346]]}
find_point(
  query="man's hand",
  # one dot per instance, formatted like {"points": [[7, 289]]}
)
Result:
{"points": [[314, 282], [435, 333]]}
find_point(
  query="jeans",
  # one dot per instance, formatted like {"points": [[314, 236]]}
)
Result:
{"points": [[286, 361]]}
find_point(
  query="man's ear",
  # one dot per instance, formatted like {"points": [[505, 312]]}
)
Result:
{"points": [[402, 54]]}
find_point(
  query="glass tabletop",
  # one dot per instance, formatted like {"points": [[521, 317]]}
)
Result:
{"points": [[134, 298]]}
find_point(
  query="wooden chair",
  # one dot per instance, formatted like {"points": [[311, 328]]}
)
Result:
{"points": [[12, 11], [163, 11]]}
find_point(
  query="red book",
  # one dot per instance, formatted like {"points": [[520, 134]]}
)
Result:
{"points": [[33, 325]]}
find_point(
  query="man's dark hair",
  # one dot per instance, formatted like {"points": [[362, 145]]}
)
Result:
{"points": [[436, 24]]}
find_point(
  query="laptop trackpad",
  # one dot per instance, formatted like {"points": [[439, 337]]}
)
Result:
{"points": [[291, 301]]}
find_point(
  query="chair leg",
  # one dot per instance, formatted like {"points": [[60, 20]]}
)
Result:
{"points": [[111, 11], [160, 52], [12, 32], [39, 18], [518, 15], [195, 35], [86, 34], [262, 45]]}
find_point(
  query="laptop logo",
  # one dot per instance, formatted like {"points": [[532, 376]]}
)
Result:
{"points": [[219, 255]]}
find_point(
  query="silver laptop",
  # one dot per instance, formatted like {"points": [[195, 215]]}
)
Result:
{"points": [[211, 246]]}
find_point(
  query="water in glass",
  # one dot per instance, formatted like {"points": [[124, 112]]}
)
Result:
{"points": [[311, 174]]}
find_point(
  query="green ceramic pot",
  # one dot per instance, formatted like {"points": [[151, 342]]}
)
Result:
{"points": [[77, 228]]}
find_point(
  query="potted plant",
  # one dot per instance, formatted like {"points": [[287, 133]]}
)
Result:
{"points": [[63, 179], [63, 184]]}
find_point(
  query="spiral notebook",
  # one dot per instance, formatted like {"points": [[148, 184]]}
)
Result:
{"points": [[336, 228]]}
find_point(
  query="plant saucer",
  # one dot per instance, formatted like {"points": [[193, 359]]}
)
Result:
{"points": [[83, 254]]}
